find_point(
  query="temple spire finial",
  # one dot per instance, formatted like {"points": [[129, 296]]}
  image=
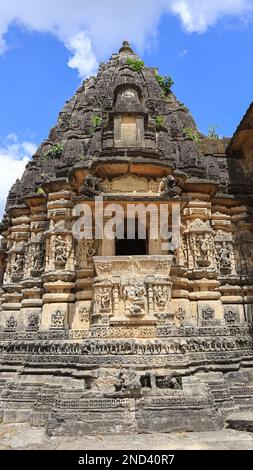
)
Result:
{"points": [[125, 48]]}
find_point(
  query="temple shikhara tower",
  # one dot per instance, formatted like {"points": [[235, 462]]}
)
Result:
{"points": [[128, 335]]}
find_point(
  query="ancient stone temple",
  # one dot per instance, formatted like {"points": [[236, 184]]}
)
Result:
{"points": [[128, 335]]}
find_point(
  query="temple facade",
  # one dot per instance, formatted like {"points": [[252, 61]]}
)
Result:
{"points": [[119, 334]]}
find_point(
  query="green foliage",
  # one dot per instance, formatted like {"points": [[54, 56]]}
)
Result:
{"points": [[96, 121], [165, 83], [212, 133], [135, 64], [39, 191], [55, 151], [182, 105], [191, 133], [159, 122]]}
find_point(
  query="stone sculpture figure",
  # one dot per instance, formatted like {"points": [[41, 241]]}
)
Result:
{"points": [[128, 382], [224, 253], [86, 249], [134, 293], [169, 187], [91, 185], [161, 295], [62, 249], [18, 265]]}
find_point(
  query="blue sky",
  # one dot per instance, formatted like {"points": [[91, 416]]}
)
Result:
{"points": [[206, 46]]}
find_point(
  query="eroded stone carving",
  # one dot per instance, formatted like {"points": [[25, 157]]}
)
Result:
{"points": [[161, 296], [91, 185], [103, 299], [33, 322], [180, 314], [134, 293], [231, 317], [57, 319], [62, 251], [128, 382], [11, 323], [169, 186], [86, 249], [207, 313]]}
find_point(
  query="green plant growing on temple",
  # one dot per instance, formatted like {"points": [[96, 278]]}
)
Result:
{"points": [[182, 105], [165, 83], [96, 121], [159, 122], [55, 151], [39, 191], [191, 134], [212, 133], [135, 64]]}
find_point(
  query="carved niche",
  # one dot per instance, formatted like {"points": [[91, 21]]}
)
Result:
{"points": [[207, 316], [128, 119], [103, 299], [33, 322], [62, 249], [57, 320], [91, 186], [134, 292], [86, 249], [168, 186], [125, 289], [231, 316], [11, 323], [198, 245], [224, 250], [35, 258]]}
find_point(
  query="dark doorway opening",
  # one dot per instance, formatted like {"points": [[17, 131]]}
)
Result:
{"points": [[130, 247]]}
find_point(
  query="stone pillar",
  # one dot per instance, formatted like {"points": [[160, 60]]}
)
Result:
{"points": [[18, 236], [59, 277]]}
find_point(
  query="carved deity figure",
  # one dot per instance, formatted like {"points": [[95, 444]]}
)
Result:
{"points": [[33, 322], [128, 381], [231, 317], [57, 319], [134, 292], [18, 265], [161, 295], [201, 247], [207, 313], [223, 256], [180, 314], [11, 323], [85, 251], [168, 186], [103, 299], [91, 185], [62, 249], [36, 257]]}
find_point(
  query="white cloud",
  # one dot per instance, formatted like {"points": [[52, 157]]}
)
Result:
{"points": [[84, 60], [92, 29], [198, 15], [14, 156]]}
